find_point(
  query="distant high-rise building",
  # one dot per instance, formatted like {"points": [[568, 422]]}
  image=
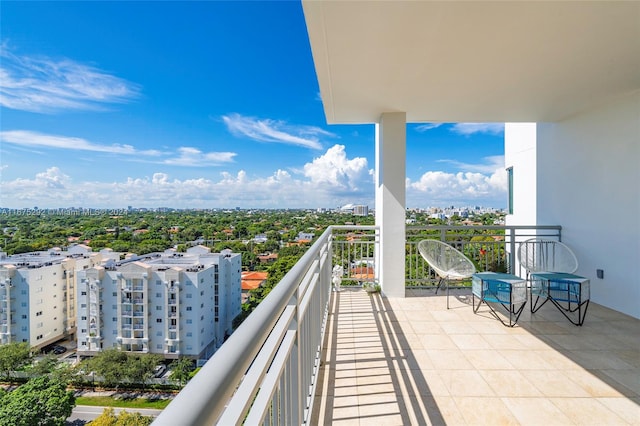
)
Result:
{"points": [[165, 303], [168, 303], [37, 297], [361, 210]]}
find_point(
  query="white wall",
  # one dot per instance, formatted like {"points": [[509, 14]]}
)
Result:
{"points": [[588, 181], [593, 191], [520, 154]]}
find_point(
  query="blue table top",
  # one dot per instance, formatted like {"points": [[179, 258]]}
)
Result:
{"points": [[551, 276], [497, 276]]}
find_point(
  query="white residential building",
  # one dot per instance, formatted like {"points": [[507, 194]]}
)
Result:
{"points": [[165, 303], [37, 294], [361, 210]]}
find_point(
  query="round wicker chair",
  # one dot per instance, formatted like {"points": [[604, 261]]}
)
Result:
{"points": [[544, 255], [447, 262]]}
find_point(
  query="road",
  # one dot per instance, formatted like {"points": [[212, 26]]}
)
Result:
{"points": [[84, 413]]}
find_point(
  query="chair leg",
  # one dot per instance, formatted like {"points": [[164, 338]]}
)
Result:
{"points": [[447, 282]]}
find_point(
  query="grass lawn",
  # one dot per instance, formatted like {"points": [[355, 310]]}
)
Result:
{"points": [[107, 401]]}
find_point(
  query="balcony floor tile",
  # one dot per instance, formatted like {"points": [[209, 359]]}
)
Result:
{"points": [[413, 361]]}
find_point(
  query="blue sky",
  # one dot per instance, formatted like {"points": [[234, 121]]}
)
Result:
{"points": [[199, 105]]}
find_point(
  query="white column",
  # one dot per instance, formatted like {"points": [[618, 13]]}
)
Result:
{"points": [[390, 200]]}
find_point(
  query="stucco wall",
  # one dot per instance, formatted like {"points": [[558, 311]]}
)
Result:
{"points": [[588, 181], [520, 154]]}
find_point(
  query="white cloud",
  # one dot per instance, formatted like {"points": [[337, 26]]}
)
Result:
{"points": [[33, 139], [335, 170], [471, 128], [491, 164], [328, 181], [267, 130], [186, 156], [46, 85], [193, 157], [427, 126], [478, 184]]}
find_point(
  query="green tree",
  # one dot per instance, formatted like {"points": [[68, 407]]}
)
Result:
{"points": [[45, 366], [124, 418], [39, 402], [12, 357], [181, 369], [139, 368], [111, 365]]}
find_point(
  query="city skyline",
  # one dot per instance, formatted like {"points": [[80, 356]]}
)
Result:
{"points": [[200, 105]]}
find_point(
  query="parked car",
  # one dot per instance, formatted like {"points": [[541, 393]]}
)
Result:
{"points": [[55, 349], [59, 349], [159, 370]]}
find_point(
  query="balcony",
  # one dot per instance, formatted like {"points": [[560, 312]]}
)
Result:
{"points": [[308, 355]]}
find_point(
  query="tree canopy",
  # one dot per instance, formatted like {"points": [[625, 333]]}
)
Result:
{"points": [[12, 357], [39, 402], [124, 418]]}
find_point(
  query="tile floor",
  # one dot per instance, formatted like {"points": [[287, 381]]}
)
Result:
{"points": [[412, 361]]}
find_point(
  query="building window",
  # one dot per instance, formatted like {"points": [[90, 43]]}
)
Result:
{"points": [[115, 319], [83, 293], [114, 294], [189, 295], [158, 308], [189, 308], [83, 318], [158, 319], [159, 346], [189, 321], [510, 190], [83, 306], [24, 316], [158, 294], [158, 333]]}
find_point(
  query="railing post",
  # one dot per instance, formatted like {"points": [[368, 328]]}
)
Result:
{"points": [[512, 250], [294, 395]]}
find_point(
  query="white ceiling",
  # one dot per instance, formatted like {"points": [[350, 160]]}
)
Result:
{"points": [[476, 61]]}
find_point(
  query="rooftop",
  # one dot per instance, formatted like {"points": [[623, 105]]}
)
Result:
{"points": [[412, 361]]}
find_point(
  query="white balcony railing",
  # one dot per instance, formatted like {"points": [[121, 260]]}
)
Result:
{"points": [[267, 367], [266, 371]]}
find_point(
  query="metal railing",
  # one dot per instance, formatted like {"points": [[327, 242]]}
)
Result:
{"points": [[356, 254], [490, 247], [265, 372]]}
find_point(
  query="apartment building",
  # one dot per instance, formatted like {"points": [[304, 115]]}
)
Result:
{"points": [[166, 303], [37, 294]]}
